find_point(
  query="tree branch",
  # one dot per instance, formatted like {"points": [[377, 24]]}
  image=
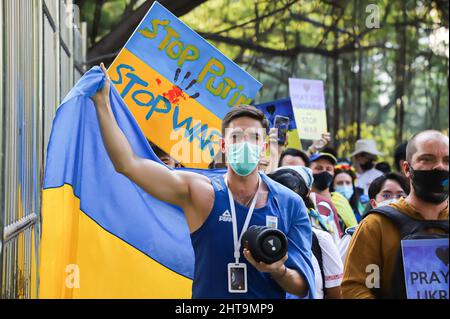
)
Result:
{"points": [[315, 23], [259, 48], [269, 14], [97, 16], [116, 39], [249, 44], [129, 8]]}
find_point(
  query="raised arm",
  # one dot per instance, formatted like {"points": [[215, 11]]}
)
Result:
{"points": [[319, 144], [275, 151], [154, 178]]}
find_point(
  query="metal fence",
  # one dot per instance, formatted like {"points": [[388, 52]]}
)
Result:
{"points": [[40, 58]]}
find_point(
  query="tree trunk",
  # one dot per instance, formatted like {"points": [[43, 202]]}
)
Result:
{"points": [[353, 88], [359, 74], [96, 23], [359, 95], [336, 113], [400, 77], [347, 109], [327, 96]]}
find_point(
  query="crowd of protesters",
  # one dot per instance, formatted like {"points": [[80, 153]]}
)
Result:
{"points": [[339, 193], [343, 218], [349, 188]]}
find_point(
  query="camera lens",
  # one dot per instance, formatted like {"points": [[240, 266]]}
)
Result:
{"points": [[271, 245], [265, 244]]}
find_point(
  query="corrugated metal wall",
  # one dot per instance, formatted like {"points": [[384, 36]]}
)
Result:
{"points": [[37, 63]]}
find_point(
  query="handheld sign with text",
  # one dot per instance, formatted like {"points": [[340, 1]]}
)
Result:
{"points": [[308, 103], [179, 87], [282, 107], [426, 268]]}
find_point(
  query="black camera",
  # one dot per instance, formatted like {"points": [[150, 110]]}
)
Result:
{"points": [[266, 244]]}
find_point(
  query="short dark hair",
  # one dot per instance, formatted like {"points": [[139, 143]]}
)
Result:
{"points": [[383, 167], [377, 184], [296, 153], [400, 155], [244, 111]]}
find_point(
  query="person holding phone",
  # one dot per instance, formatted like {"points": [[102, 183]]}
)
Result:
{"points": [[278, 139]]}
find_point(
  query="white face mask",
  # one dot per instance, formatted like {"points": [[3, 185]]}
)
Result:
{"points": [[386, 202]]}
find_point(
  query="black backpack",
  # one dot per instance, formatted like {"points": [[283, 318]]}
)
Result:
{"points": [[409, 229]]}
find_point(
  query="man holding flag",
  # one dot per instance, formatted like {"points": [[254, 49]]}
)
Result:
{"points": [[208, 201]]}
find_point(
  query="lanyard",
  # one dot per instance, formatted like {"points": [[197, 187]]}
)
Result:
{"points": [[237, 242]]}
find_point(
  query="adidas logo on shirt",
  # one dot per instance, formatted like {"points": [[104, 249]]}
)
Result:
{"points": [[225, 217]]}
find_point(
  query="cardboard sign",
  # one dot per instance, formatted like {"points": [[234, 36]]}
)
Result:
{"points": [[282, 107], [308, 103], [426, 268], [179, 87]]}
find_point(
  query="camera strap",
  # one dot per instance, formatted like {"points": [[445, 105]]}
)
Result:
{"points": [[237, 241]]}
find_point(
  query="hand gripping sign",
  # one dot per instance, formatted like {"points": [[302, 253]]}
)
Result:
{"points": [[179, 87]]}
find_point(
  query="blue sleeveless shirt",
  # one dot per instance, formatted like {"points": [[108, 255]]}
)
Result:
{"points": [[213, 243]]}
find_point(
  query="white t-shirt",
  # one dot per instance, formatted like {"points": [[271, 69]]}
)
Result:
{"points": [[365, 179], [333, 267], [343, 246]]}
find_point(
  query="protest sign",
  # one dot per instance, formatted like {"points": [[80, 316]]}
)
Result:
{"points": [[426, 268], [282, 107], [308, 103], [179, 87]]}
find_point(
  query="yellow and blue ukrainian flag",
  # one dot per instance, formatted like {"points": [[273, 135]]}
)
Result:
{"points": [[102, 235]]}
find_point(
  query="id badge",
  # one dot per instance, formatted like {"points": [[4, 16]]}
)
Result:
{"points": [[272, 222], [237, 278]]}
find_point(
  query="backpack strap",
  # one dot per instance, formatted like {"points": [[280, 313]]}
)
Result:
{"points": [[317, 251], [407, 225]]}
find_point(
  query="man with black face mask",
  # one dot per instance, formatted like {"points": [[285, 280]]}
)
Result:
{"points": [[322, 166], [427, 169]]}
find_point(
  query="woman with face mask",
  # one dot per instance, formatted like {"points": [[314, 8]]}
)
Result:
{"points": [[387, 189], [344, 184]]}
